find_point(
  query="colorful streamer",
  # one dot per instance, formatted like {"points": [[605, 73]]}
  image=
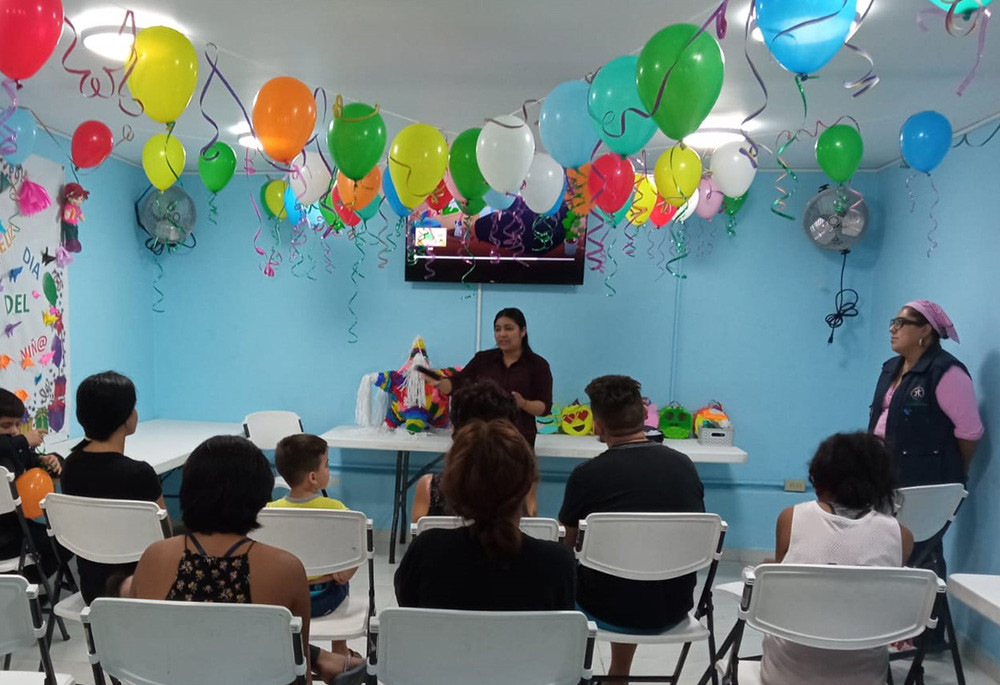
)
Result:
{"points": [[93, 86]]}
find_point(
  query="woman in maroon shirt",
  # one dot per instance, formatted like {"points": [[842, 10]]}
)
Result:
{"points": [[516, 368]]}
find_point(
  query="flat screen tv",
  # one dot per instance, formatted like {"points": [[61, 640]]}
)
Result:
{"points": [[510, 246]]}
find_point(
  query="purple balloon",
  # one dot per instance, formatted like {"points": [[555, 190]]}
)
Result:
{"points": [[710, 198]]}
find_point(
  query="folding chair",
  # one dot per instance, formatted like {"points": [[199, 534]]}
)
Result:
{"points": [[839, 608], [266, 428], [482, 647], [10, 502], [928, 511], [104, 531], [650, 547], [22, 627], [326, 541], [537, 527], [155, 642]]}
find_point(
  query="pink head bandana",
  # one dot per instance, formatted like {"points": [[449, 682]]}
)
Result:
{"points": [[936, 317]]}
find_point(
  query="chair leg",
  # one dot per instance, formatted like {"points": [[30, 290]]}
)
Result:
{"points": [[6, 661], [949, 627], [675, 678]]}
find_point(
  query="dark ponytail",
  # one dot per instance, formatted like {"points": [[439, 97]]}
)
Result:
{"points": [[517, 316]]}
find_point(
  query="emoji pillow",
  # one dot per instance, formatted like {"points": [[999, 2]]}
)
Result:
{"points": [[577, 419]]}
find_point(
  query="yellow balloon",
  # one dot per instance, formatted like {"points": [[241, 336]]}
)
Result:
{"points": [[643, 201], [274, 198], [163, 160], [677, 174], [164, 72], [418, 159]]}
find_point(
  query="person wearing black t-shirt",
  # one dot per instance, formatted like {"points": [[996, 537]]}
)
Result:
{"points": [[490, 565], [98, 467], [632, 475]]}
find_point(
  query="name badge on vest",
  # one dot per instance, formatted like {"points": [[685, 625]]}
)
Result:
{"points": [[917, 393]]}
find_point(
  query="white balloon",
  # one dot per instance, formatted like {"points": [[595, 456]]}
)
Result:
{"points": [[687, 209], [504, 151], [544, 184], [310, 179], [732, 169]]}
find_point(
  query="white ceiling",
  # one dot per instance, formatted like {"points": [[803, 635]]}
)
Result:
{"points": [[452, 63]]}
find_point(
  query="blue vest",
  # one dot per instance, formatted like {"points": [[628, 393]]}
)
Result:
{"points": [[919, 433]]}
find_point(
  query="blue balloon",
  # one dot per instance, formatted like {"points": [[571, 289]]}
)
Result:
{"points": [[391, 196], [925, 140], [803, 35], [559, 203], [22, 123], [498, 200], [565, 126], [615, 109]]}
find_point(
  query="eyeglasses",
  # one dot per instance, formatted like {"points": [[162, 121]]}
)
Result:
{"points": [[899, 322]]}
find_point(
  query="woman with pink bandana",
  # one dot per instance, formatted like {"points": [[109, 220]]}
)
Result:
{"points": [[924, 405]]}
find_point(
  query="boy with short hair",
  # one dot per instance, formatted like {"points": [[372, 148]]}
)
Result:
{"points": [[17, 455], [303, 461]]}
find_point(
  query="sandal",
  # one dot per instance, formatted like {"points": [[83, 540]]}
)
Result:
{"points": [[352, 676]]}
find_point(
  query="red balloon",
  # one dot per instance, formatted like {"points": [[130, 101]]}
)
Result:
{"points": [[29, 31], [346, 214], [663, 212], [610, 182], [92, 144], [440, 198]]}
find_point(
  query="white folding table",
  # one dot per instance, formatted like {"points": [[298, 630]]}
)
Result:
{"points": [[979, 592], [552, 446]]}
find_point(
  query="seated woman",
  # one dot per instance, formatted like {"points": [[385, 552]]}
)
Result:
{"points": [[484, 400], [98, 467], [854, 478], [489, 565], [225, 484]]}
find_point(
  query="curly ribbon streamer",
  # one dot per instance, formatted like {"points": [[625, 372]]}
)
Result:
{"points": [[678, 249], [296, 256], [531, 101], [514, 238], [614, 268], [751, 22], [541, 230], [846, 303], [355, 276], [8, 143], [338, 110], [933, 218], [213, 211], [629, 249], [781, 202], [157, 304], [595, 255], [128, 135], [870, 79], [170, 133], [429, 271], [494, 241], [92, 85], [651, 245], [980, 20]]}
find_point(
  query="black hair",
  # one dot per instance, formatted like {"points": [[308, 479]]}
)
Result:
{"points": [[11, 405], [922, 321], [855, 470], [104, 402], [517, 316], [296, 456], [617, 403], [225, 483], [484, 400]]}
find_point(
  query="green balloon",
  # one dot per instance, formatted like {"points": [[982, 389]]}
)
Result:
{"points": [[216, 166], [329, 214], [356, 139], [696, 70], [838, 151], [473, 206], [731, 205], [464, 167], [370, 210], [49, 288]]}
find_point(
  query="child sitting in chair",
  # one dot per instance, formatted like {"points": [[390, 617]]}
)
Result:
{"points": [[302, 460]]}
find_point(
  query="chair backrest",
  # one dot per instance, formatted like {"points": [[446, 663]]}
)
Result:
{"points": [[537, 527], [324, 540], [486, 648], [155, 642], [17, 626], [9, 498], [926, 509], [105, 531], [266, 428], [840, 607], [650, 546]]}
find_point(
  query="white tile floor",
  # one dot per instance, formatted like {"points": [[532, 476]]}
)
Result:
{"points": [[70, 657]]}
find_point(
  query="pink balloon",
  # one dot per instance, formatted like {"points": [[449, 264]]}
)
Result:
{"points": [[710, 198]]}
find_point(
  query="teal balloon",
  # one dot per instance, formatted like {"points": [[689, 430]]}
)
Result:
{"points": [[371, 209], [963, 6], [292, 207], [615, 109], [803, 35], [22, 123]]}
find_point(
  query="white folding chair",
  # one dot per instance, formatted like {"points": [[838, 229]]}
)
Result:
{"points": [[155, 642], [537, 527], [326, 541], [482, 647], [22, 627], [830, 607], [651, 547], [266, 428], [104, 531], [928, 512]]}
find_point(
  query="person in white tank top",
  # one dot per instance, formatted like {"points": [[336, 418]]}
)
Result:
{"points": [[854, 478]]}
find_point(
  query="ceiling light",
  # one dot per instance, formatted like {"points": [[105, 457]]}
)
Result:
{"points": [[709, 140], [109, 44], [105, 17], [250, 142], [240, 129]]}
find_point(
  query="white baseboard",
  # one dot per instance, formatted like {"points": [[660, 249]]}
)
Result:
{"points": [[972, 653]]}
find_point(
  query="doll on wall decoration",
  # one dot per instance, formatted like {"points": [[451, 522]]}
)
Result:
{"points": [[72, 215]]}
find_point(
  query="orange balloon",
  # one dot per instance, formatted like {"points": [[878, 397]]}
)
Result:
{"points": [[579, 199], [284, 116], [32, 487], [359, 194]]}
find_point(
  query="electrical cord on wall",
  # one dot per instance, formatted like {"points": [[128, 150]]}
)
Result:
{"points": [[846, 302]]}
